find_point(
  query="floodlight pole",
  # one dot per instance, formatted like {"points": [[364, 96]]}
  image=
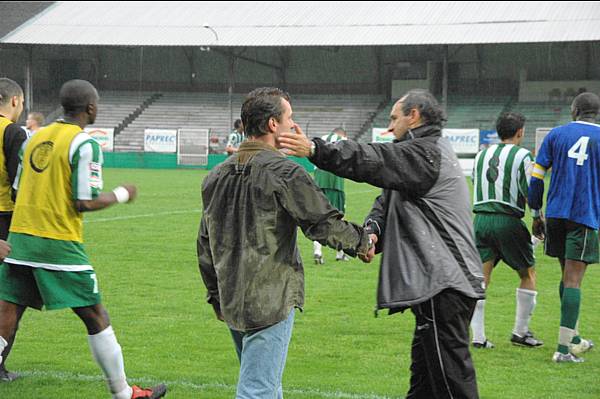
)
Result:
{"points": [[231, 76], [230, 89], [141, 71], [445, 79], [29, 81]]}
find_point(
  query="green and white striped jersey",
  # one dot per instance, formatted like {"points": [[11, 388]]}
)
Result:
{"points": [[333, 138], [235, 139], [501, 178]]}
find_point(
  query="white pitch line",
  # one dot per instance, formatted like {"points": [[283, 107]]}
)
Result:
{"points": [[373, 191], [312, 393], [144, 215]]}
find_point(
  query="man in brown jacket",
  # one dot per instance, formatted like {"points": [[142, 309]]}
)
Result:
{"points": [[253, 204]]}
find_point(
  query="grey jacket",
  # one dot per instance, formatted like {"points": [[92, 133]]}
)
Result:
{"points": [[253, 204], [422, 218]]}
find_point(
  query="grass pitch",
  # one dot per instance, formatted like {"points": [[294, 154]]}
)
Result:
{"points": [[144, 255]]}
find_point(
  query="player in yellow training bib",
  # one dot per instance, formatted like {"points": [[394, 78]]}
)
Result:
{"points": [[59, 178]]}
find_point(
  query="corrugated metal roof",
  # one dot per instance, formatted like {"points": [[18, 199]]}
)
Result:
{"points": [[308, 23]]}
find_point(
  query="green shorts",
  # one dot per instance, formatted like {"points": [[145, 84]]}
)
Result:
{"points": [[570, 240], [503, 237], [36, 287]]}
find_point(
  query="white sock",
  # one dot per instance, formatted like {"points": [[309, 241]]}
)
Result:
{"points": [[107, 353], [565, 336], [478, 322], [3, 345], [340, 254], [526, 300], [317, 248]]}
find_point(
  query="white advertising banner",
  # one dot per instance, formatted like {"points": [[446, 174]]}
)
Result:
{"points": [[160, 140], [464, 141], [103, 135], [381, 135]]}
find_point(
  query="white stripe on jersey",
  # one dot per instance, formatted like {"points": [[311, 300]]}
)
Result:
{"points": [[77, 141], [500, 181], [529, 164], [84, 169], [485, 185], [515, 177], [475, 182], [334, 138], [84, 188]]}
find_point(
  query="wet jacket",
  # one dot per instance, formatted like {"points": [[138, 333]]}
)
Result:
{"points": [[422, 218], [253, 204]]}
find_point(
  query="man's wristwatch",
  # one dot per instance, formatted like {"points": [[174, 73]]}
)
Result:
{"points": [[313, 147]]}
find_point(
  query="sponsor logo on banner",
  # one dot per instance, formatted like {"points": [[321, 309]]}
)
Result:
{"points": [[160, 140], [464, 141], [381, 135], [104, 136]]}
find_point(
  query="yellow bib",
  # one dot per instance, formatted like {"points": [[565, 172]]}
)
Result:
{"points": [[45, 204], [6, 203]]}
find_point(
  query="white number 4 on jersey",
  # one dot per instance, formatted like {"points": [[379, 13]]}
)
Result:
{"points": [[579, 150]]}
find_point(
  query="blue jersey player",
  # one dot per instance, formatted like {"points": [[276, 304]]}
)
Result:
{"points": [[572, 213]]}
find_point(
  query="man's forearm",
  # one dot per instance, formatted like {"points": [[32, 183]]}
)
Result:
{"points": [[104, 200], [536, 193]]}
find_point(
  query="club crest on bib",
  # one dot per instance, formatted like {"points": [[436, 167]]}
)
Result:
{"points": [[40, 156]]}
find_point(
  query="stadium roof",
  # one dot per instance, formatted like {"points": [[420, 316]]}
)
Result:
{"points": [[308, 23]]}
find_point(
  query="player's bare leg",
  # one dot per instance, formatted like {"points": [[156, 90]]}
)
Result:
{"points": [[10, 315]]}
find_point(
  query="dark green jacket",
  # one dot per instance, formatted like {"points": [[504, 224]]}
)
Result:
{"points": [[247, 253]]}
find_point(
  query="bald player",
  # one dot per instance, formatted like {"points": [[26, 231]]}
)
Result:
{"points": [[572, 215], [61, 165]]}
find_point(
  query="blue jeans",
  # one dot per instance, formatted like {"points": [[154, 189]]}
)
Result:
{"points": [[262, 357]]}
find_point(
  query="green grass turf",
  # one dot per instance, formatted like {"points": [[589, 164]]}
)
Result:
{"points": [[144, 255]]}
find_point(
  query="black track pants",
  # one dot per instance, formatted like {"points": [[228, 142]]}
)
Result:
{"points": [[441, 362]]}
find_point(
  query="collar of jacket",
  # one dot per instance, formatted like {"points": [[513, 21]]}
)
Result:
{"points": [[421, 131], [249, 148]]}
